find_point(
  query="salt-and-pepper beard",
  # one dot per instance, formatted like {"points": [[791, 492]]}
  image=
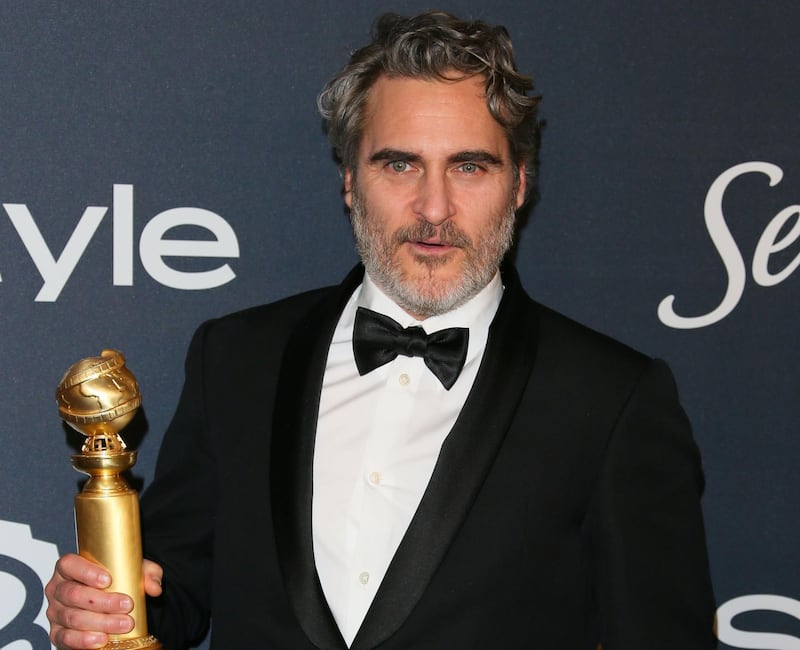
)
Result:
{"points": [[430, 296]]}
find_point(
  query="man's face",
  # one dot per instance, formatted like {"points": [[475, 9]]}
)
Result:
{"points": [[434, 192]]}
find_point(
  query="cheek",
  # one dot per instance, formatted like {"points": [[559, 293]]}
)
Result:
{"points": [[387, 215]]}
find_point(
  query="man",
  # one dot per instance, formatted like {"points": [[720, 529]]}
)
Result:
{"points": [[421, 457]]}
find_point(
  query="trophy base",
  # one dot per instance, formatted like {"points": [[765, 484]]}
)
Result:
{"points": [[148, 642]]}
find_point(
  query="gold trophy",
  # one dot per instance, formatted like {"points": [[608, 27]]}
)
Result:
{"points": [[99, 396]]}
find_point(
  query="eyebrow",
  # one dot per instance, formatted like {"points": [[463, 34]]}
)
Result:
{"points": [[386, 155], [477, 156]]}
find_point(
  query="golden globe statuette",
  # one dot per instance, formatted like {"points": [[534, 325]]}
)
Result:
{"points": [[99, 396]]}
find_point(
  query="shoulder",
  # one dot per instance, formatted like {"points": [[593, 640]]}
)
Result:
{"points": [[600, 385], [259, 328], [584, 359], [558, 337], [571, 338], [563, 351], [278, 320], [281, 314]]}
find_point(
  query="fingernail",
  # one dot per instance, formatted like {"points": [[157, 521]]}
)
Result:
{"points": [[104, 579], [124, 624], [125, 603], [94, 640]]}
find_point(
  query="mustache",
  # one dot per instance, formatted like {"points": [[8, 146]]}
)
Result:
{"points": [[447, 234]]}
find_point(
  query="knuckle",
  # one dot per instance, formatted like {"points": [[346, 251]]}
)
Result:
{"points": [[68, 592], [62, 564], [61, 639], [52, 616], [71, 618], [71, 639]]}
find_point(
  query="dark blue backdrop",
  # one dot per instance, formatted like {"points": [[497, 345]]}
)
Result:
{"points": [[210, 107]]}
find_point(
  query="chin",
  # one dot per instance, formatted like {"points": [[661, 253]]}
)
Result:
{"points": [[443, 268], [430, 294]]}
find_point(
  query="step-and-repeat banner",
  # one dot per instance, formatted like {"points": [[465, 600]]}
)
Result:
{"points": [[163, 163]]}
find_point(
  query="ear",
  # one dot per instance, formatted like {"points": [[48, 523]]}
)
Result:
{"points": [[348, 187], [522, 186]]}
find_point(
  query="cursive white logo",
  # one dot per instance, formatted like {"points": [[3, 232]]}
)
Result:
{"points": [[770, 242], [738, 638]]}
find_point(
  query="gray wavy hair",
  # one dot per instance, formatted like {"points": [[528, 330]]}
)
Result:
{"points": [[434, 45]]}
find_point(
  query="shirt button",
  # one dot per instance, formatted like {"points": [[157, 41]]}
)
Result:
{"points": [[375, 478], [363, 577], [404, 379]]}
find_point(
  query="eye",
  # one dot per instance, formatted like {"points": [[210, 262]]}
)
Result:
{"points": [[399, 166], [469, 168]]}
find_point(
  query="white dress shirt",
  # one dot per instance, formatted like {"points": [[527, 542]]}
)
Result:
{"points": [[378, 438]]}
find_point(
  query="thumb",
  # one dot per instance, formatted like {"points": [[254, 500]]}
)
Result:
{"points": [[153, 575]]}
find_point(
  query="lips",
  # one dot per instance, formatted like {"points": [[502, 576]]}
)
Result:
{"points": [[438, 242], [432, 246], [425, 236]]}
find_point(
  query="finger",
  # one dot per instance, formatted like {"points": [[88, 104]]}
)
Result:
{"points": [[65, 639], [85, 621], [75, 567], [153, 576], [73, 595], [74, 627], [83, 629]]}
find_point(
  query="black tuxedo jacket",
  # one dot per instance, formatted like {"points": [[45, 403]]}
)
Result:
{"points": [[563, 510]]}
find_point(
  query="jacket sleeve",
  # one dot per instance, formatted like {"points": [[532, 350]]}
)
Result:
{"points": [[178, 514], [648, 542]]}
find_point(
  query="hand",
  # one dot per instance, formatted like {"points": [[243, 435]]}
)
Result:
{"points": [[81, 614]]}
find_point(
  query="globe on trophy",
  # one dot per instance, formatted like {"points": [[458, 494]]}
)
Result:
{"points": [[99, 396]]}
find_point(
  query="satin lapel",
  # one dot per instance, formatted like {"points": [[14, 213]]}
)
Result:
{"points": [[464, 461], [291, 465]]}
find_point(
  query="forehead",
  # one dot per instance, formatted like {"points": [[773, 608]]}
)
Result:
{"points": [[431, 115]]}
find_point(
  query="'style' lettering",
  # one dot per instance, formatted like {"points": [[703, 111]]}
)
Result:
{"points": [[154, 247]]}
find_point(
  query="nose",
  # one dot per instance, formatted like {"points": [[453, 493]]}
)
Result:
{"points": [[434, 201]]}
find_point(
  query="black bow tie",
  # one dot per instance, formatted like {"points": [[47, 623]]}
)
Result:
{"points": [[377, 339]]}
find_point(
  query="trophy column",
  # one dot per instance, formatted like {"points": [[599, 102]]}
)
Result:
{"points": [[99, 396]]}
